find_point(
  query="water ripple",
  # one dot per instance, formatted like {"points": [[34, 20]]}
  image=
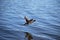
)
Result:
{"points": [[46, 13]]}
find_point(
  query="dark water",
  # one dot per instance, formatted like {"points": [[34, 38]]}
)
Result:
{"points": [[46, 13]]}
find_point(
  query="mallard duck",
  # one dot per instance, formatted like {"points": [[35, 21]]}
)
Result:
{"points": [[28, 21]]}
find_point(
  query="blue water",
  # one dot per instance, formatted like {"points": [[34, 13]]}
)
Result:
{"points": [[45, 12]]}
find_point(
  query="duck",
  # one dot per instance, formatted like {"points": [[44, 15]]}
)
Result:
{"points": [[28, 21]]}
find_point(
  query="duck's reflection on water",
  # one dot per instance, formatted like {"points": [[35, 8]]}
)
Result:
{"points": [[28, 36]]}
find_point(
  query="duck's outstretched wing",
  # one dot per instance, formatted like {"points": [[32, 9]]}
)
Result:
{"points": [[26, 19]]}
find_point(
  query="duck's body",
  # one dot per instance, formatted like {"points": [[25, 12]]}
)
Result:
{"points": [[28, 21]]}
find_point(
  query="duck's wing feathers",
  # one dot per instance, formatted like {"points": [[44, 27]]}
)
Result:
{"points": [[26, 19]]}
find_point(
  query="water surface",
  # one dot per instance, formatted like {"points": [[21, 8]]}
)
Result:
{"points": [[46, 13]]}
